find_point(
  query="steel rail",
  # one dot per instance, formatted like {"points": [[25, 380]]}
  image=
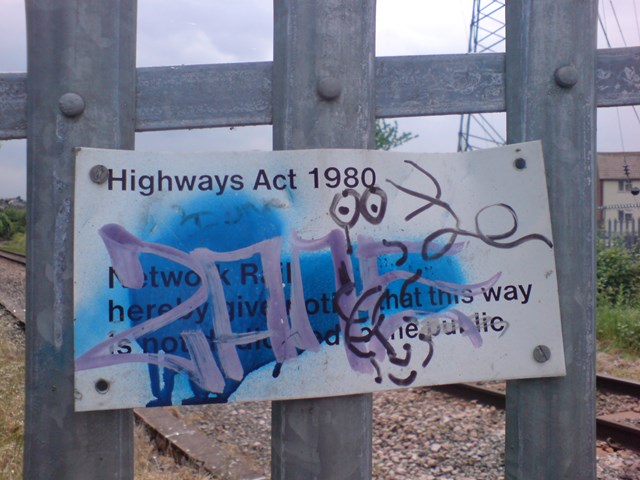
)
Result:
{"points": [[615, 433], [607, 428], [618, 385], [14, 257]]}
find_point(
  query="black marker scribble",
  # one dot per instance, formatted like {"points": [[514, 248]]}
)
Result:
{"points": [[403, 362], [373, 212], [346, 214], [454, 232], [403, 248], [429, 356], [404, 382], [377, 331]]}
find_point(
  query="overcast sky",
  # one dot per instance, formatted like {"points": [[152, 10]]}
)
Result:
{"points": [[186, 32]]}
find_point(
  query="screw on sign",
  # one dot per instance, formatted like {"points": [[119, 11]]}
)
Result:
{"points": [[541, 353]]}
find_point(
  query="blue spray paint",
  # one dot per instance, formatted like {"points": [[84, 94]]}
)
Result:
{"points": [[218, 224], [237, 222]]}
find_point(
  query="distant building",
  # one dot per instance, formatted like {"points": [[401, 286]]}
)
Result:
{"points": [[17, 203], [617, 196]]}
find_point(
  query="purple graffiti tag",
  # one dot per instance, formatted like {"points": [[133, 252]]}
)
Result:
{"points": [[124, 250], [368, 254], [284, 337], [343, 273], [373, 343]]}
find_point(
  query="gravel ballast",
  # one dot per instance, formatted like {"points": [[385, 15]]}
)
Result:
{"points": [[418, 433]]}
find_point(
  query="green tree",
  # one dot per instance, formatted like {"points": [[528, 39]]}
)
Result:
{"points": [[618, 271], [388, 136], [18, 218], [6, 226]]}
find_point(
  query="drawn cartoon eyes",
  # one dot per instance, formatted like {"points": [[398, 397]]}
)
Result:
{"points": [[348, 205], [345, 208], [373, 204]]}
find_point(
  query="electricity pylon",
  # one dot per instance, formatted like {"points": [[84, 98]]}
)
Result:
{"points": [[487, 34]]}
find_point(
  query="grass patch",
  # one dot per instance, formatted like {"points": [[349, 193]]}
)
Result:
{"points": [[150, 464], [12, 401], [17, 244], [618, 327]]}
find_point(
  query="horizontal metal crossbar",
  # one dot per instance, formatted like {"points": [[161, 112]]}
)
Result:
{"points": [[225, 95]]}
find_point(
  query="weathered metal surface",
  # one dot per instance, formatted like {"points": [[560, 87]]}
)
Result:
{"points": [[197, 96], [327, 438], [551, 422], [86, 48], [201, 96], [618, 77], [13, 106], [439, 85]]}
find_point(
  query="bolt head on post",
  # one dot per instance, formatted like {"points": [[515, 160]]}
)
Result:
{"points": [[71, 104], [566, 76], [329, 88]]}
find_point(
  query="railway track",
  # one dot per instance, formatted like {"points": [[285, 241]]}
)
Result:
{"points": [[619, 429], [611, 428], [13, 257]]}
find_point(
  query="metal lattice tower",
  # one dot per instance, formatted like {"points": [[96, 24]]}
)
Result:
{"points": [[486, 34]]}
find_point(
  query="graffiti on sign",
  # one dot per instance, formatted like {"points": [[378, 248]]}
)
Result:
{"points": [[268, 275]]}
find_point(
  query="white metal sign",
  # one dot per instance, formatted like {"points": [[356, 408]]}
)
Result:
{"points": [[209, 278]]}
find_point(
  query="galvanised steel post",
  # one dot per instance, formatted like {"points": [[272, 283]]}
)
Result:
{"points": [[550, 82], [323, 91], [81, 92]]}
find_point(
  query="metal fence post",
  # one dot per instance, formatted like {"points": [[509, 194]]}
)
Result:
{"points": [[550, 71], [323, 83], [81, 92]]}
